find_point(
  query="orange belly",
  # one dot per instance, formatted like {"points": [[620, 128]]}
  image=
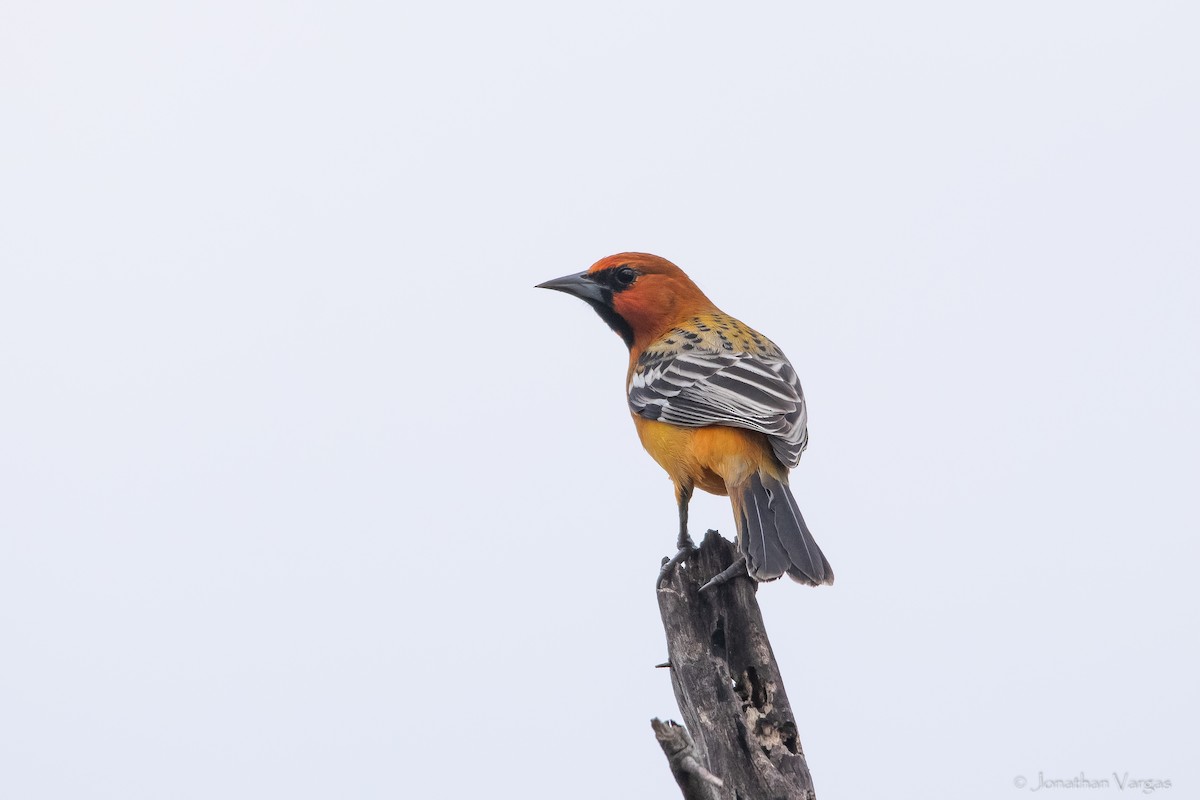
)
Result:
{"points": [[712, 458]]}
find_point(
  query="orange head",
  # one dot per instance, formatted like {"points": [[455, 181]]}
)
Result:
{"points": [[639, 295]]}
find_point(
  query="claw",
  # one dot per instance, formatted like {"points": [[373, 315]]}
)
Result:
{"points": [[686, 549], [734, 570]]}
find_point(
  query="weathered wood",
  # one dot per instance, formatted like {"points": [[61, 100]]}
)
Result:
{"points": [[728, 684], [696, 782]]}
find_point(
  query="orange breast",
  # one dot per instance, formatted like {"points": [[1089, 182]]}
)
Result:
{"points": [[712, 458]]}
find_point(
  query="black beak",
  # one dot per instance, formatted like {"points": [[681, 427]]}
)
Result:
{"points": [[578, 284]]}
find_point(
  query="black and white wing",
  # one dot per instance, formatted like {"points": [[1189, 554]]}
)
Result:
{"points": [[700, 387]]}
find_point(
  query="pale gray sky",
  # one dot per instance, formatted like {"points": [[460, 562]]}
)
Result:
{"points": [[308, 493]]}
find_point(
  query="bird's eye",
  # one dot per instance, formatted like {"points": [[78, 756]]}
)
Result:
{"points": [[625, 276]]}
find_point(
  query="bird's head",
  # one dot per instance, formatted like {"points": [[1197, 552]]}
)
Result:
{"points": [[639, 295]]}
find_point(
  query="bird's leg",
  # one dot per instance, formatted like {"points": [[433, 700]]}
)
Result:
{"points": [[685, 545], [683, 495], [734, 570]]}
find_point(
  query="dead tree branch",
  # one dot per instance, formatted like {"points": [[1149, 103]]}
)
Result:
{"points": [[728, 687], [696, 782]]}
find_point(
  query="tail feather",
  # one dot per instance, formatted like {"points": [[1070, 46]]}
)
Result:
{"points": [[763, 549], [773, 534], [751, 534]]}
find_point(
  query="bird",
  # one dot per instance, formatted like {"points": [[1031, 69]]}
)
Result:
{"points": [[715, 403]]}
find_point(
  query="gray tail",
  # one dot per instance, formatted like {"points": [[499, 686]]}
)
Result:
{"points": [[773, 536]]}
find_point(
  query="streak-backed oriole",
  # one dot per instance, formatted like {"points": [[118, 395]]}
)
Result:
{"points": [[716, 404]]}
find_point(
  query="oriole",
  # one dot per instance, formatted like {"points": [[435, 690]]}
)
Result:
{"points": [[715, 403]]}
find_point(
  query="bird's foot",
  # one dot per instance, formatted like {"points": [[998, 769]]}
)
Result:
{"points": [[734, 570], [687, 548]]}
